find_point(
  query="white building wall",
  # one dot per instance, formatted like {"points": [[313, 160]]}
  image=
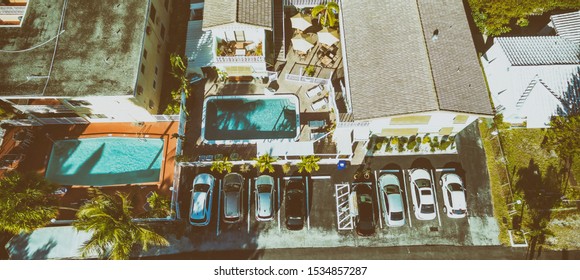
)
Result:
{"points": [[112, 109]]}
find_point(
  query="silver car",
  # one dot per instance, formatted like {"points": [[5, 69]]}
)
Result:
{"points": [[392, 200], [201, 200], [232, 195], [453, 196], [264, 198]]}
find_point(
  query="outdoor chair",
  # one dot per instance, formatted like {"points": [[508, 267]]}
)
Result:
{"points": [[317, 90], [320, 104]]}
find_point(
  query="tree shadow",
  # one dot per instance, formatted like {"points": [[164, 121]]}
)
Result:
{"points": [[541, 193], [18, 248]]}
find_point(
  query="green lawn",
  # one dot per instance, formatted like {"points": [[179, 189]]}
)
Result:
{"points": [[537, 178]]}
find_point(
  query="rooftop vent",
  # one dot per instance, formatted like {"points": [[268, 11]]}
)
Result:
{"points": [[435, 35]]}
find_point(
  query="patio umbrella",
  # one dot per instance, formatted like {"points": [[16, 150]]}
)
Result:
{"points": [[328, 36], [300, 21], [302, 43]]}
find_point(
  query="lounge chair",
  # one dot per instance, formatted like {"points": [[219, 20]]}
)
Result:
{"points": [[320, 104], [317, 90], [316, 124]]}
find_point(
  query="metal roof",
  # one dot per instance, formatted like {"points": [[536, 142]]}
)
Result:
{"points": [[568, 26], [539, 50]]}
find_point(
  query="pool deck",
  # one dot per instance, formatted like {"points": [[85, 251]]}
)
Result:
{"points": [[32, 151]]}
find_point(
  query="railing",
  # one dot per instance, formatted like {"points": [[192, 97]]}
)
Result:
{"points": [[239, 59], [306, 3], [12, 10], [68, 120], [306, 79]]}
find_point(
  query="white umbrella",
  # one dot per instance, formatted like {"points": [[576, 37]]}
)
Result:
{"points": [[302, 43], [300, 21], [328, 36]]}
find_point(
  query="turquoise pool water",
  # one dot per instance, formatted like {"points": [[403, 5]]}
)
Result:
{"points": [[251, 117], [105, 161]]}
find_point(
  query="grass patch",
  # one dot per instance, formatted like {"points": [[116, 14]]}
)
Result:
{"points": [[500, 192]]}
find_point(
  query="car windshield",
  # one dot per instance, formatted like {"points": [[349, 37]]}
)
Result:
{"points": [[458, 211], [201, 188], [392, 189], [232, 187], [264, 188], [397, 216], [425, 192], [427, 208], [455, 187], [422, 183]]}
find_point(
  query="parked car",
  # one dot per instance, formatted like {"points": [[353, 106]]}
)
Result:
{"points": [[232, 193], [365, 220], [453, 195], [295, 200], [422, 194], [264, 198], [201, 200], [392, 200]]}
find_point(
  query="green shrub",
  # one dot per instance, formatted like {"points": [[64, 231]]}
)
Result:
{"points": [[394, 141], [444, 145], [411, 145], [426, 139]]}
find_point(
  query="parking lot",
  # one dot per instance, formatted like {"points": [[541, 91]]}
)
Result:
{"points": [[325, 226]]}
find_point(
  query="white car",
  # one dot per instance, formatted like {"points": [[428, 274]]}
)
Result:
{"points": [[422, 194], [392, 200], [453, 195], [201, 200], [264, 198]]}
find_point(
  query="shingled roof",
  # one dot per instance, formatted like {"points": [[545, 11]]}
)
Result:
{"points": [[568, 26], [226, 12], [397, 66], [539, 50]]}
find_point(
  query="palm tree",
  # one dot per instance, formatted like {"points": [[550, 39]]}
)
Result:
{"points": [[308, 164], [327, 13], [26, 202], [115, 234], [264, 162], [160, 206], [222, 165]]}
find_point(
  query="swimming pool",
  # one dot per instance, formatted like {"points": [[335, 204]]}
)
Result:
{"points": [[105, 161], [250, 118]]}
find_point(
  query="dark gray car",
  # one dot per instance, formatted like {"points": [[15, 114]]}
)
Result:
{"points": [[232, 195]]}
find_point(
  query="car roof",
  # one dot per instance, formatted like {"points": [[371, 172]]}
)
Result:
{"points": [[264, 205], [395, 202], [458, 200], [427, 199], [232, 204], [198, 211]]}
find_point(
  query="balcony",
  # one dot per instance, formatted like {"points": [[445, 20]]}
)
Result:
{"points": [[239, 52]]}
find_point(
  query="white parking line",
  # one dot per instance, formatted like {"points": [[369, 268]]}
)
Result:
{"points": [[307, 205], [249, 201], [407, 198], [217, 233], [320, 177], [279, 206], [435, 195], [379, 198]]}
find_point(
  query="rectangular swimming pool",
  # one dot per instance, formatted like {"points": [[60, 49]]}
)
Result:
{"points": [[250, 118], [105, 161]]}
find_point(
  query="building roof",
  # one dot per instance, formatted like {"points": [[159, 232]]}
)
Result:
{"points": [[539, 50], [459, 81], [394, 70], [568, 26], [98, 53], [249, 12]]}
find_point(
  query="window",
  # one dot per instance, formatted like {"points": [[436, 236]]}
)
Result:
{"points": [[152, 13], [162, 33], [166, 4], [142, 68], [97, 116], [154, 84], [156, 70], [145, 54]]}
